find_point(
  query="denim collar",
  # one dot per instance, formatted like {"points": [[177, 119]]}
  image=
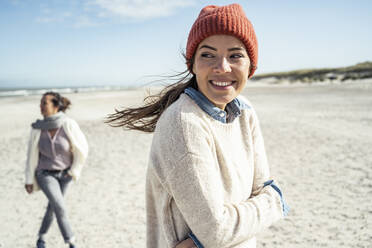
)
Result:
{"points": [[233, 108]]}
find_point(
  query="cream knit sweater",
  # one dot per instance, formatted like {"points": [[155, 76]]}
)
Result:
{"points": [[207, 177]]}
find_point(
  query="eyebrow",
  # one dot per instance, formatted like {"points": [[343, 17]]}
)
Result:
{"points": [[209, 47], [215, 49], [235, 49]]}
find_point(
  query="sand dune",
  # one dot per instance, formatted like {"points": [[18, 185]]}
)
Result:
{"points": [[318, 139]]}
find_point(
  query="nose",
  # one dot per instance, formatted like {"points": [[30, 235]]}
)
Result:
{"points": [[222, 65]]}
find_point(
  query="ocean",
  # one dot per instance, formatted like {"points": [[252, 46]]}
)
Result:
{"points": [[9, 92]]}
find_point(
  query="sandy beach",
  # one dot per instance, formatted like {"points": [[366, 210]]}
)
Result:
{"points": [[318, 140]]}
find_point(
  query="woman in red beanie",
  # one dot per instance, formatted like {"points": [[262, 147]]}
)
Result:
{"points": [[208, 182]]}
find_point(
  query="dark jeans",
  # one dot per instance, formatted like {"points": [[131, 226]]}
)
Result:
{"points": [[54, 185]]}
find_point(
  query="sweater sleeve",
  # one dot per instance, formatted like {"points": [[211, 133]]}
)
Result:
{"points": [[80, 148], [261, 166], [32, 157], [29, 177], [196, 187], [199, 196]]}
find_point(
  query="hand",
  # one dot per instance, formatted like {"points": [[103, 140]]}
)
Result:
{"points": [[69, 174], [29, 188], [187, 243], [66, 174]]}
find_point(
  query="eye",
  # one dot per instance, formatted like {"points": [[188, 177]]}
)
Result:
{"points": [[206, 55], [236, 56]]}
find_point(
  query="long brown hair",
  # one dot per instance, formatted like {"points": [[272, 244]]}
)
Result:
{"points": [[144, 118]]}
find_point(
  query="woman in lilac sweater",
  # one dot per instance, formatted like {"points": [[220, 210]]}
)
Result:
{"points": [[56, 153]]}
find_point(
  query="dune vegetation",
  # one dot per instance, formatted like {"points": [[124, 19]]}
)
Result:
{"points": [[355, 72]]}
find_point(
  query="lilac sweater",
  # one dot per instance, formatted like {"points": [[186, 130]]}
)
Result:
{"points": [[54, 152]]}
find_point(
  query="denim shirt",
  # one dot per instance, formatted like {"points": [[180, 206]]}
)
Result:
{"points": [[233, 110]]}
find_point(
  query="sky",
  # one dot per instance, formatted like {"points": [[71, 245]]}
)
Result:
{"points": [[58, 43]]}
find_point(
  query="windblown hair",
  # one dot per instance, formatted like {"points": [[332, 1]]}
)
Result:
{"points": [[144, 118], [59, 101]]}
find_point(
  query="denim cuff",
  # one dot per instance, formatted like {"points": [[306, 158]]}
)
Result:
{"points": [[285, 206], [195, 240]]}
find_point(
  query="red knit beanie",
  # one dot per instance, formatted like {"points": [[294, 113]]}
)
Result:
{"points": [[229, 19]]}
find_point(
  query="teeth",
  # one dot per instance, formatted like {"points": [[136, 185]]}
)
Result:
{"points": [[221, 83]]}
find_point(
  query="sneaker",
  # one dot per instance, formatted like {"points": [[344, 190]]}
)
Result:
{"points": [[40, 243]]}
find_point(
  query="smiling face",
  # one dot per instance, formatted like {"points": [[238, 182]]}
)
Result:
{"points": [[47, 107], [221, 66]]}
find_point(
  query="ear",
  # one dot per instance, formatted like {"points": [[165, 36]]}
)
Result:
{"points": [[190, 65], [192, 69]]}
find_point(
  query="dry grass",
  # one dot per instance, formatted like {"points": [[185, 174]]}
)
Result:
{"points": [[358, 71]]}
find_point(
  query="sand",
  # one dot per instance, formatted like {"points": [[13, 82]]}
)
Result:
{"points": [[318, 139]]}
